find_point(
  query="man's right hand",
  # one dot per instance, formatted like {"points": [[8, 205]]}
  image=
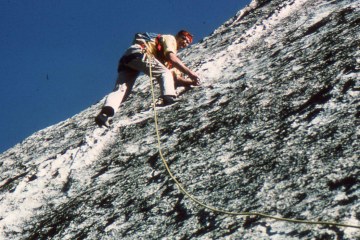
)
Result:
{"points": [[195, 78], [197, 82]]}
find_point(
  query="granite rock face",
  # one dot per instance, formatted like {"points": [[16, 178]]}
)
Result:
{"points": [[274, 129]]}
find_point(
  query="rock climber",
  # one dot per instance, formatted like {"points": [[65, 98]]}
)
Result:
{"points": [[162, 53]]}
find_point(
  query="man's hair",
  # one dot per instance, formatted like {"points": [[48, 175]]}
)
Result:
{"points": [[184, 33]]}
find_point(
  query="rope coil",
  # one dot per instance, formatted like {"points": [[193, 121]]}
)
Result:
{"points": [[194, 199]]}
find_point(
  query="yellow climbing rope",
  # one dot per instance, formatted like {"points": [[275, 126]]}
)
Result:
{"points": [[189, 195]]}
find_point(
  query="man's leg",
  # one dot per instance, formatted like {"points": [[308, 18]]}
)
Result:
{"points": [[124, 84], [159, 71], [123, 87]]}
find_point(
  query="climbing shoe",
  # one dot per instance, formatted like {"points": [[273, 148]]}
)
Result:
{"points": [[102, 120], [168, 100]]}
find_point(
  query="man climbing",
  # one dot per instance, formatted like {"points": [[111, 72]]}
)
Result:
{"points": [[161, 52]]}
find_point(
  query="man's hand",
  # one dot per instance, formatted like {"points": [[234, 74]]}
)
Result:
{"points": [[196, 82], [181, 66], [195, 78]]}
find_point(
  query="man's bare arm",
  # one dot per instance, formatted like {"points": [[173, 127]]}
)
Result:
{"points": [[182, 67]]}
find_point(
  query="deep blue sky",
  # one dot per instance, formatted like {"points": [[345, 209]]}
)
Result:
{"points": [[58, 57]]}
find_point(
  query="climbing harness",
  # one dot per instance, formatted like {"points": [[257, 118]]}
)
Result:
{"points": [[211, 208]]}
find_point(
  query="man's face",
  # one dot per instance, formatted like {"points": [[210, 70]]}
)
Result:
{"points": [[183, 42]]}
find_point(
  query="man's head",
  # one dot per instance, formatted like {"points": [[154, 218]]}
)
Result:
{"points": [[183, 39]]}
